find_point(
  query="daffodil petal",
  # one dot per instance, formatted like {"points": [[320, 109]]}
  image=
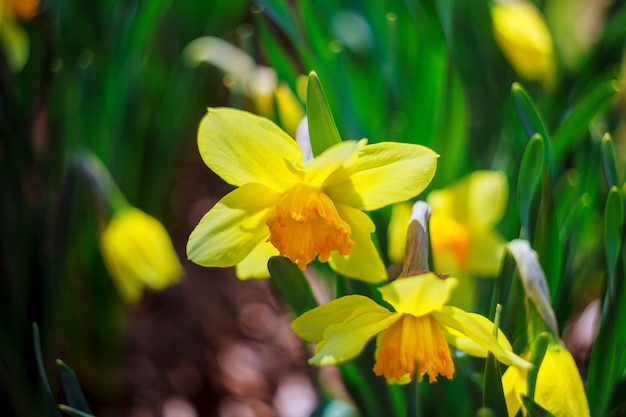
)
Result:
{"points": [[397, 231], [386, 173], [344, 341], [233, 227], [418, 295], [364, 262], [486, 249], [311, 325], [255, 264], [464, 343], [488, 195], [464, 323], [334, 165], [513, 385], [243, 148]]}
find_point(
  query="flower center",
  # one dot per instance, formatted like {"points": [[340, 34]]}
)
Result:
{"points": [[305, 224], [410, 342], [449, 238]]}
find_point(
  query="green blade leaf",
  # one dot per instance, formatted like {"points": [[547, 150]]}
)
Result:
{"points": [[576, 124], [280, 13], [493, 393], [607, 151], [71, 386], [529, 174], [531, 119], [537, 351], [322, 129], [291, 284], [50, 404], [74, 412], [613, 223]]}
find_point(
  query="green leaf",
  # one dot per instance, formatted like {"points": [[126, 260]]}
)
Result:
{"points": [[322, 129], [71, 386], [538, 350], [533, 409], [50, 404], [607, 151], [280, 13], [493, 393], [529, 174], [576, 124], [291, 284], [531, 119], [613, 223], [73, 411]]}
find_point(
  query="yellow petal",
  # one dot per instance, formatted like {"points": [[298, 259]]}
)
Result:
{"points": [[464, 343], [418, 295], [137, 251], [255, 264], [242, 148], [563, 396], [397, 230], [290, 110], [486, 250], [334, 165], [364, 262], [514, 385], [464, 323], [311, 325], [344, 341], [386, 173], [233, 227]]}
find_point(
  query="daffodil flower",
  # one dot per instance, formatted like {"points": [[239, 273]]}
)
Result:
{"points": [[138, 252], [523, 36], [305, 210], [464, 241], [412, 340], [563, 396]]}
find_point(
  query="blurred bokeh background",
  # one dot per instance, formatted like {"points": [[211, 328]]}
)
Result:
{"points": [[129, 80]]}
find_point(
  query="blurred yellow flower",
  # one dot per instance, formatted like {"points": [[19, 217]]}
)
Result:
{"points": [[138, 252], [13, 37], [305, 210], [523, 36], [559, 388], [462, 229], [412, 340]]}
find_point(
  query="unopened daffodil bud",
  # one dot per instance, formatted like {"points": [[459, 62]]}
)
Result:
{"points": [[558, 389], [523, 36], [138, 253]]}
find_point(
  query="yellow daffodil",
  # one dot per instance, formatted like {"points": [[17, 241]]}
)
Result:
{"points": [[412, 340], [462, 229], [559, 388], [13, 38], [138, 252], [305, 210], [522, 35]]}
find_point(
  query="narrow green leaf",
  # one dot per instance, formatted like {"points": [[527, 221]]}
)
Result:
{"points": [[291, 284], [576, 124], [531, 119], [280, 13], [607, 151], [537, 351], [71, 386], [613, 223], [534, 409], [529, 175], [493, 393], [50, 404], [322, 129], [73, 411]]}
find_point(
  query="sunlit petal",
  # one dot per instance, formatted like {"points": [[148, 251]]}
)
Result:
{"points": [[243, 148], [465, 324], [464, 343], [335, 164], [364, 262], [386, 173], [233, 227], [255, 264], [311, 325], [486, 249], [418, 295], [344, 341]]}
